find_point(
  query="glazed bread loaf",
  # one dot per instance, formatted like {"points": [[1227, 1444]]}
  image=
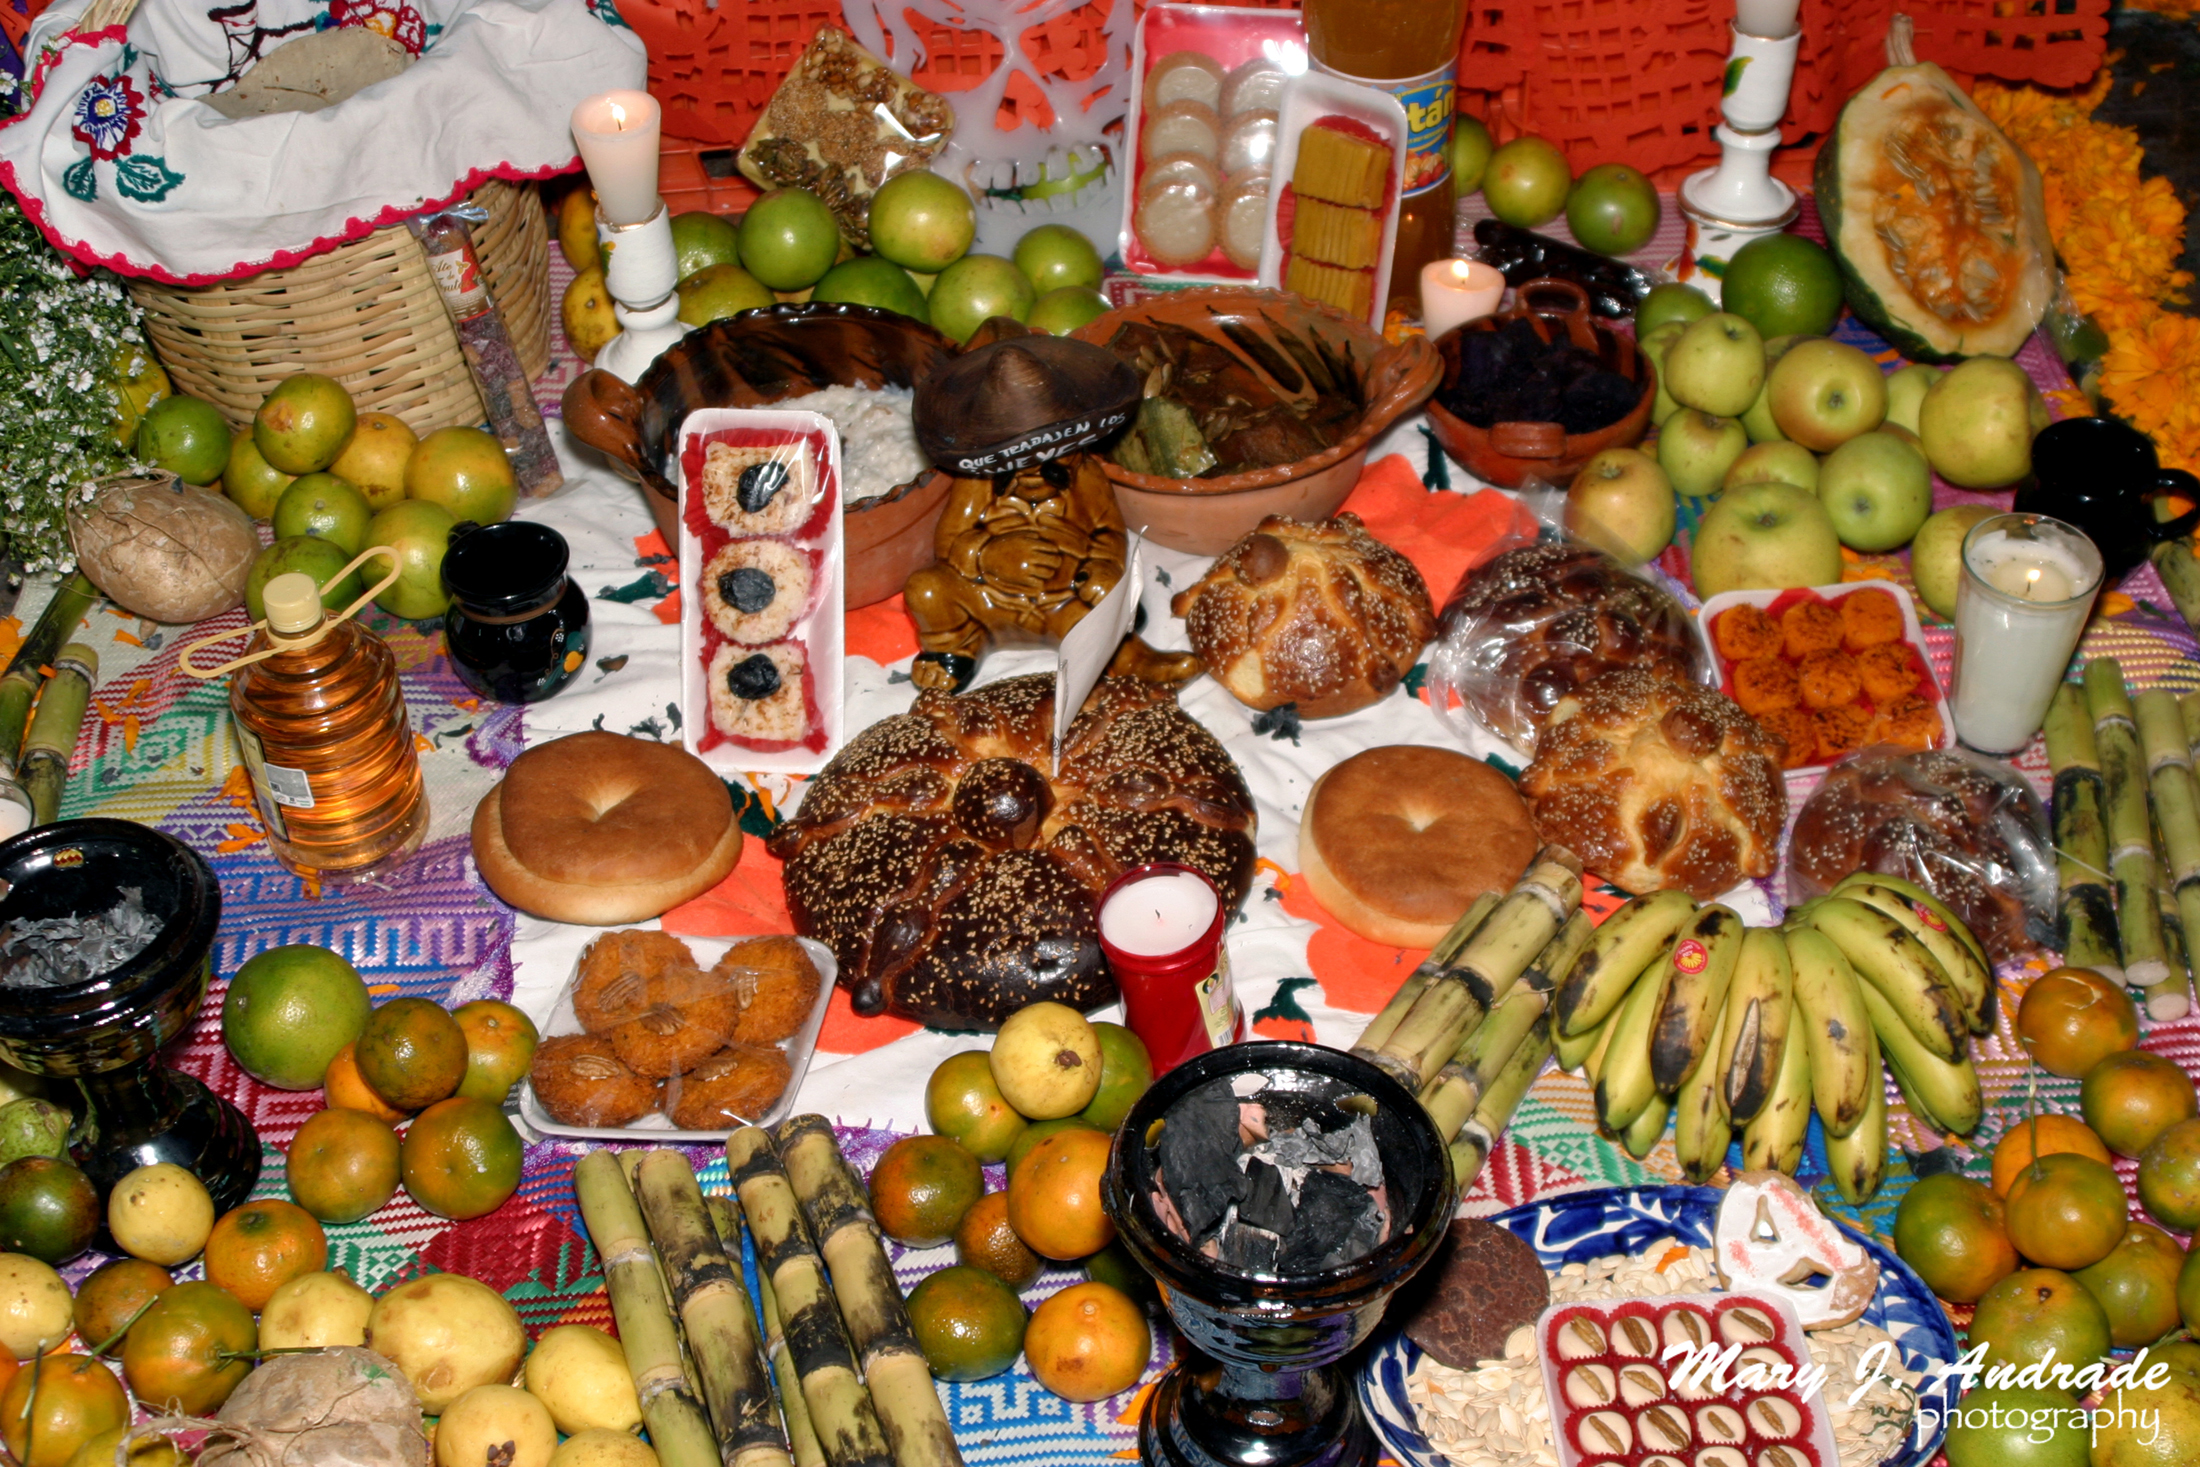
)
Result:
{"points": [[953, 870], [1324, 616], [1658, 782]]}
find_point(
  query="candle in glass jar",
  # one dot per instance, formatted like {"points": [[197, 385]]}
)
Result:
{"points": [[1454, 292], [617, 134], [1161, 932], [1160, 915], [2027, 589], [1770, 20]]}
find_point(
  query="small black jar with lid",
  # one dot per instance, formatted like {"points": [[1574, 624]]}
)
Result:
{"points": [[517, 629]]}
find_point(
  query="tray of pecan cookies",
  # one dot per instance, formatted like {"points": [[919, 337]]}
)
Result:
{"points": [[665, 1038], [1830, 669]]}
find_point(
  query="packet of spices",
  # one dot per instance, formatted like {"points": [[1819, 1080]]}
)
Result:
{"points": [[513, 416]]}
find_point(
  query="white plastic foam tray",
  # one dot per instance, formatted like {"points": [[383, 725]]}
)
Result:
{"points": [[1307, 100]]}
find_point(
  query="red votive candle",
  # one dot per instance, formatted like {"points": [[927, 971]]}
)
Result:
{"points": [[1161, 931]]}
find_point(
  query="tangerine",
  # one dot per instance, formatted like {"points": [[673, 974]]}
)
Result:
{"points": [[78, 1399], [2072, 1018], [1088, 1342], [2037, 1311], [411, 1052], [969, 1323], [1950, 1230], [1029, 1138], [48, 1208], [1126, 1069], [108, 1300], [2169, 1177], [985, 1240], [921, 1188], [146, 1451], [961, 1100], [461, 1158], [465, 470], [500, 1045], [344, 1088], [2066, 1211], [257, 1248], [343, 1165], [1996, 1428], [2053, 1133], [2136, 1285], [289, 1010], [181, 1355], [374, 460], [2132, 1097], [1054, 1198]]}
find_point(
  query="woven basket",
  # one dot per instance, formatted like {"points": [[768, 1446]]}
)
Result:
{"points": [[366, 313]]}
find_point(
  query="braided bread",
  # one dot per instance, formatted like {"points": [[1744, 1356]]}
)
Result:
{"points": [[954, 871]]}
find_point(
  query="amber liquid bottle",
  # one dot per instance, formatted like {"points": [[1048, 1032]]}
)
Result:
{"points": [[328, 742], [1409, 48]]}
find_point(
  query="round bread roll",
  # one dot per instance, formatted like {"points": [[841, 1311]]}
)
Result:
{"points": [[1398, 841], [604, 829]]}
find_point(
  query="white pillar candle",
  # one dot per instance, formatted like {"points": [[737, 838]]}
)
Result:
{"points": [[617, 135], [1163, 914], [1772, 19], [1454, 292], [2027, 589]]}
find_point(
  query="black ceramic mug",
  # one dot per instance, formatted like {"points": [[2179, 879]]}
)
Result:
{"points": [[518, 627], [2102, 475]]}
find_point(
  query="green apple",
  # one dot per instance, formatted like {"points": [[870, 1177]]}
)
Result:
{"points": [[1978, 422], [1759, 420], [1936, 555], [1655, 345], [1777, 462], [1671, 301], [1717, 365], [1825, 392], [1622, 503], [1906, 391], [1764, 537], [1696, 449], [1877, 490]]}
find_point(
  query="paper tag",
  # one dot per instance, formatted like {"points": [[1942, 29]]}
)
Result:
{"points": [[1086, 650]]}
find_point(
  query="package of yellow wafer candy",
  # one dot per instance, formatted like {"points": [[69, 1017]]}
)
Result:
{"points": [[1333, 213]]}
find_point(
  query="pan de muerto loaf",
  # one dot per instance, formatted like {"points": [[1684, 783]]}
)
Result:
{"points": [[1658, 782]]}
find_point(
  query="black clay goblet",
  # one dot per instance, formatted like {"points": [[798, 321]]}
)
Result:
{"points": [[105, 1033], [1263, 1385]]}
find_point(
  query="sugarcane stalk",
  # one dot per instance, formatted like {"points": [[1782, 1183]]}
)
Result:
{"points": [[894, 1367], [2170, 999], [1520, 927], [2085, 912], [2131, 861], [840, 1409], [2180, 572], [1385, 1023], [1458, 1088], [27, 669], [794, 1413], [1478, 1137], [679, 1428], [716, 1317], [1556, 961], [54, 727]]}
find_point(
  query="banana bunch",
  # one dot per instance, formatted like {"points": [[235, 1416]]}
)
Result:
{"points": [[1683, 1013]]}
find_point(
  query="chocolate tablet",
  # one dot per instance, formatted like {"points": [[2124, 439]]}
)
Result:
{"points": [[1486, 1284]]}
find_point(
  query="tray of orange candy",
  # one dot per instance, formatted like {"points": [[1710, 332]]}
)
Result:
{"points": [[1830, 669]]}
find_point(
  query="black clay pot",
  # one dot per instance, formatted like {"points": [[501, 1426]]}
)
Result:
{"points": [[1264, 1386], [104, 1034], [517, 630], [2103, 476]]}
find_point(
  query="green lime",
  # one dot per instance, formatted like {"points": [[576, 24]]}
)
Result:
{"points": [[1670, 302], [315, 557], [973, 290], [718, 291], [251, 482], [1468, 152], [419, 531], [1061, 311], [304, 422], [2019, 1427], [969, 1324], [48, 1209], [922, 221], [961, 1101], [289, 1010], [327, 508], [1527, 182], [186, 436], [1038, 1131], [868, 280], [789, 239], [1783, 285], [1125, 1072], [1054, 255], [1114, 1266], [701, 239], [1613, 209]]}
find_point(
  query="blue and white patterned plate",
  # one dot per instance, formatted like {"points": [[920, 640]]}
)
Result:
{"points": [[1578, 1227]]}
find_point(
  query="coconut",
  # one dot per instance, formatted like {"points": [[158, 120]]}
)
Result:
{"points": [[447, 1333], [164, 549]]}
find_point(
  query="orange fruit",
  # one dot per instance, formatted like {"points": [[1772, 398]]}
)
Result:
{"points": [[1950, 1230], [968, 1323], [2055, 1133], [417, 533], [985, 1240], [2133, 1097], [174, 1356], [78, 1398], [342, 1165], [412, 1053], [921, 1188], [461, 1158], [2169, 1177], [2066, 1211], [1028, 1139], [2025, 1315], [466, 471], [1054, 1200], [344, 1088], [500, 1045], [2072, 1018], [2136, 1285], [961, 1100], [374, 460], [1088, 1342], [114, 1292], [257, 1248], [289, 1010]]}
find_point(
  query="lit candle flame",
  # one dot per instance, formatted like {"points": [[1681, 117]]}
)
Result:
{"points": [[618, 117], [2031, 581]]}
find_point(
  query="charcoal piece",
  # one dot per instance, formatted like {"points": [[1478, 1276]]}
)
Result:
{"points": [[1267, 1202], [1597, 400], [49, 952], [1247, 1248], [1335, 1223], [1197, 1156], [1354, 1143], [1484, 1284]]}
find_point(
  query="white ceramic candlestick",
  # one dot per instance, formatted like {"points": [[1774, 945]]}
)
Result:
{"points": [[2027, 589], [1772, 19], [1159, 915], [1454, 292], [641, 270], [617, 134], [1728, 206]]}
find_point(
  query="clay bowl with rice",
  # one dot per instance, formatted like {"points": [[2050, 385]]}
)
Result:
{"points": [[1258, 402], [782, 356]]}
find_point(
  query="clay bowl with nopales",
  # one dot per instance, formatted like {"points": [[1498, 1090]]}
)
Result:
{"points": [[760, 359], [1287, 348], [1507, 454]]}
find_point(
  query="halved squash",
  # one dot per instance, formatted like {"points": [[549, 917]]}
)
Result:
{"points": [[1937, 219]]}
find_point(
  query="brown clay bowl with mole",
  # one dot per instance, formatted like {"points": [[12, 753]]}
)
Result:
{"points": [[1286, 344], [758, 359], [1507, 454]]}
